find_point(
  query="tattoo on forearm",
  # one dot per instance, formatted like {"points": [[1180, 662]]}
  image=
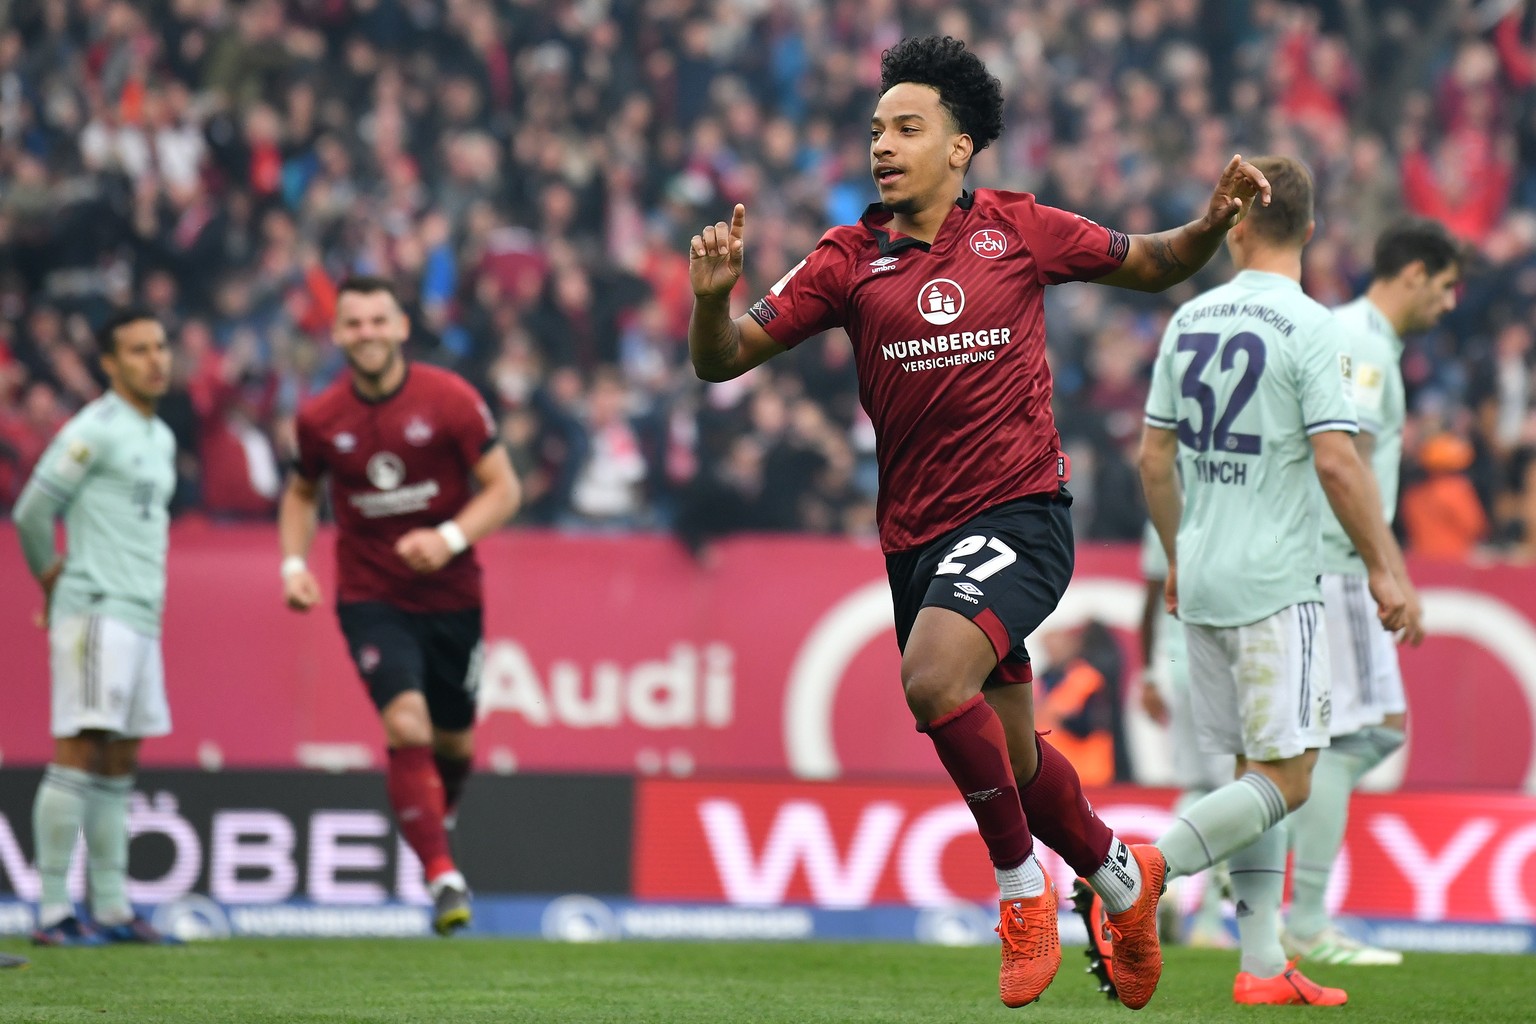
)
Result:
{"points": [[1163, 255]]}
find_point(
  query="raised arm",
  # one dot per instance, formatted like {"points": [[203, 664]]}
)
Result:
{"points": [[1156, 262], [722, 348]]}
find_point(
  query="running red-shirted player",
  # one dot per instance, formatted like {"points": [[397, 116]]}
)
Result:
{"points": [[400, 444], [941, 292]]}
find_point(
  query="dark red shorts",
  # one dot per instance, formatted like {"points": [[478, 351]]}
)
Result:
{"points": [[435, 653]]}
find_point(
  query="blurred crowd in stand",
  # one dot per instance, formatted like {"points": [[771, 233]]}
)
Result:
{"points": [[529, 172]]}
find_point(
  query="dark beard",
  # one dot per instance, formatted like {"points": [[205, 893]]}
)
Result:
{"points": [[906, 207], [374, 378]]}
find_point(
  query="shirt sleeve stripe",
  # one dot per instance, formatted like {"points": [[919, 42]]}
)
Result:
{"points": [[1158, 421], [1349, 426]]}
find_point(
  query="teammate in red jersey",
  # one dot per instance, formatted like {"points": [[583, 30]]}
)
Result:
{"points": [[941, 292], [400, 444]]}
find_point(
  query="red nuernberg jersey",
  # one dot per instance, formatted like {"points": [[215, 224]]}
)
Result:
{"points": [[949, 340], [395, 464]]}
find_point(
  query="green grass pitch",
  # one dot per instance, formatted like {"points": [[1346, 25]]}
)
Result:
{"points": [[337, 981]]}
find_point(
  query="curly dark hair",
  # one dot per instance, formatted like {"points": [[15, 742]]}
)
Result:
{"points": [[972, 95]]}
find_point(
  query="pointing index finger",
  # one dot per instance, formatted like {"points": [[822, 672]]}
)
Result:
{"points": [[738, 221]]}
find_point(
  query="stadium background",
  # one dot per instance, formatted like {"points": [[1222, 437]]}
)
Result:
{"points": [[689, 612]]}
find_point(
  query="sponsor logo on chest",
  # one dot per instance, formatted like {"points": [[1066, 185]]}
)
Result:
{"points": [[941, 302], [386, 470]]}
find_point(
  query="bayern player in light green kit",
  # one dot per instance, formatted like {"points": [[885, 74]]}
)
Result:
{"points": [[1248, 398], [109, 474], [1417, 266]]}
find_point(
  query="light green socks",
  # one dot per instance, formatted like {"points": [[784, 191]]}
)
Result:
{"points": [[1207, 917], [1225, 820], [1317, 827], [106, 840], [1258, 882], [57, 813]]}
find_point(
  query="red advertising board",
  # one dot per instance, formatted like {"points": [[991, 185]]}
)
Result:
{"points": [[773, 657], [1425, 856]]}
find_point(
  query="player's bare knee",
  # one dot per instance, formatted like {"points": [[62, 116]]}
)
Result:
{"points": [[1296, 791], [1295, 779], [932, 694], [406, 722]]}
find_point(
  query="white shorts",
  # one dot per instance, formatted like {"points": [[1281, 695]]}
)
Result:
{"points": [[1193, 768], [1367, 683], [1261, 690], [106, 675]]}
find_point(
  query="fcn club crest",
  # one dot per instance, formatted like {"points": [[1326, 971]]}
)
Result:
{"points": [[989, 243]]}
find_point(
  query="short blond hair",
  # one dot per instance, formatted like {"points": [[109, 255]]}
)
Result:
{"points": [[1289, 214]]}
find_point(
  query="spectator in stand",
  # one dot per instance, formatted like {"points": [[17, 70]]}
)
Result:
{"points": [[529, 170], [25, 431], [1441, 513], [1073, 702], [608, 487]]}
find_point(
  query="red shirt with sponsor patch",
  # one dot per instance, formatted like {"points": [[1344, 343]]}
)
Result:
{"points": [[949, 340], [397, 463]]}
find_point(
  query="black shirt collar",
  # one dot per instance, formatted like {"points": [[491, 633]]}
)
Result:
{"points": [[889, 246]]}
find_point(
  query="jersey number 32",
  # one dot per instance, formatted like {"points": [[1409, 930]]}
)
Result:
{"points": [[1213, 430]]}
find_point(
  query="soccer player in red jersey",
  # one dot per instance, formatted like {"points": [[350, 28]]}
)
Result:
{"points": [[400, 443], [941, 292]]}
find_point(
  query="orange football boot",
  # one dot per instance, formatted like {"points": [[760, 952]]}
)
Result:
{"points": [[1138, 955], [1031, 946], [1288, 988]]}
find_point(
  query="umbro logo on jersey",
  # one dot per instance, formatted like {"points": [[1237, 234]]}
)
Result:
{"points": [[989, 243], [940, 301], [344, 442], [762, 311], [1119, 244], [883, 263], [969, 588]]}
